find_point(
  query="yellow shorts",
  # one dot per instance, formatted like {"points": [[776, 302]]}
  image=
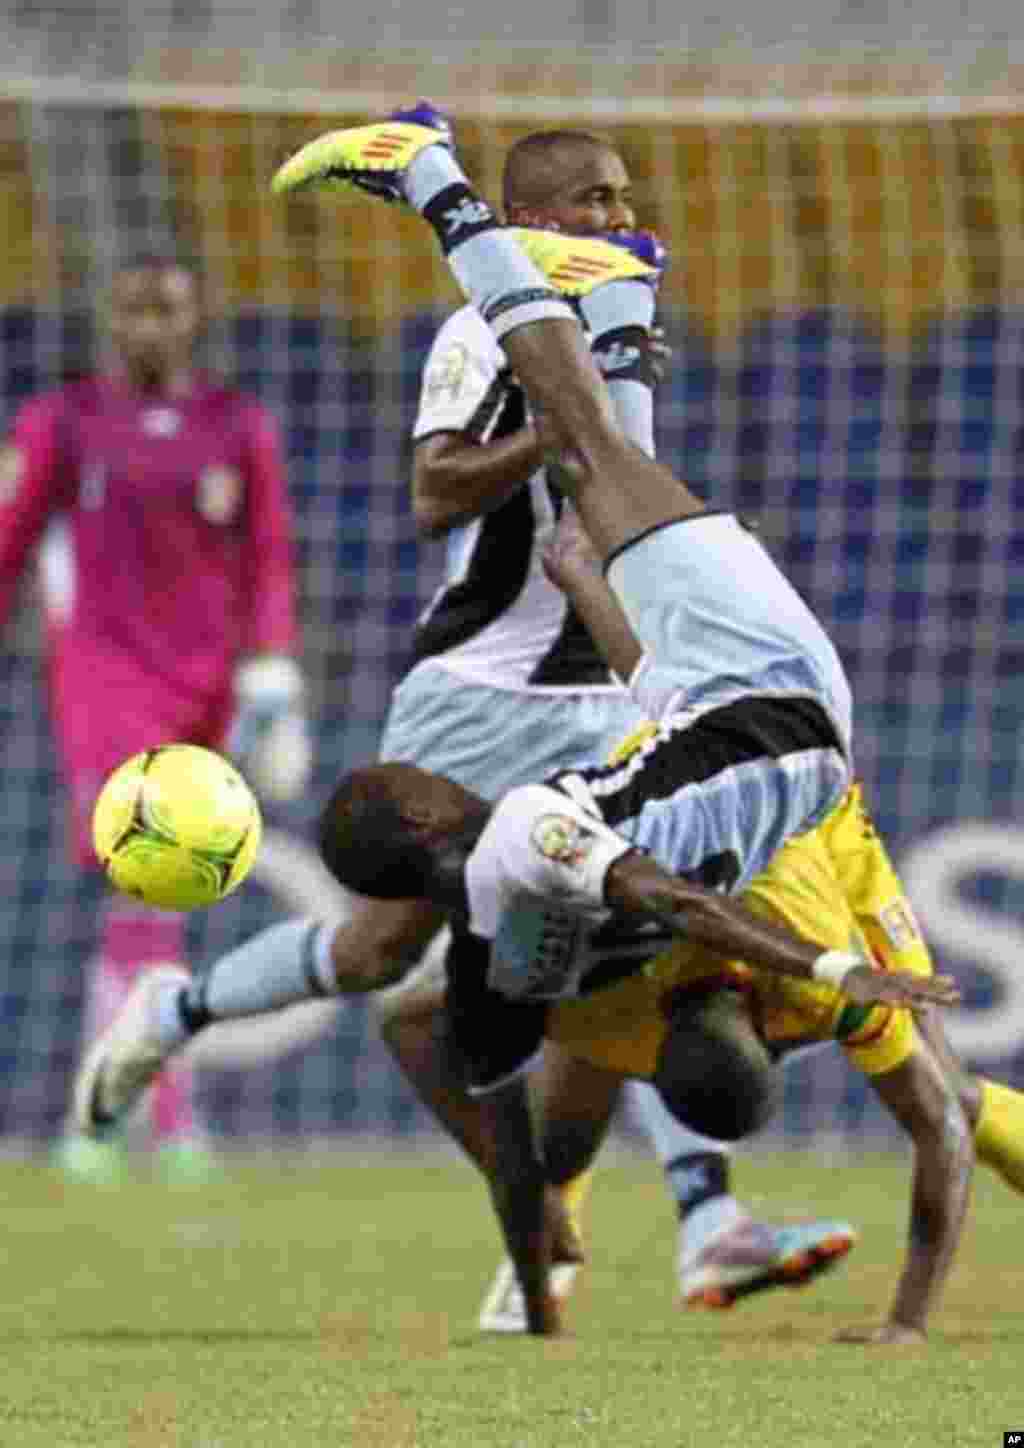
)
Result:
{"points": [[834, 885]]}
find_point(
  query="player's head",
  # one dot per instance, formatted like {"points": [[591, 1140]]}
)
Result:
{"points": [[396, 832], [153, 316], [569, 179]]}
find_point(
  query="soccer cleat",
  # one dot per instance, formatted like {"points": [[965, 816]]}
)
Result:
{"points": [[504, 1309], [187, 1161], [751, 1256], [123, 1061], [370, 158], [578, 264], [81, 1159], [645, 246]]}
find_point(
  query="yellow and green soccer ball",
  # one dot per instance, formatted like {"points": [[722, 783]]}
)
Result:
{"points": [[177, 827]]}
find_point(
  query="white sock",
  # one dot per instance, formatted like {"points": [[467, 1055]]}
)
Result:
{"points": [[491, 268], [619, 317], [669, 1138], [278, 967]]}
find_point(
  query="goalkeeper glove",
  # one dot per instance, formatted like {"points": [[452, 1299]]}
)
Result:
{"points": [[269, 735]]}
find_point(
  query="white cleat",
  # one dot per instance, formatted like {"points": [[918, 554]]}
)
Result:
{"points": [[504, 1309], [123, 1061], [750, 1256]]}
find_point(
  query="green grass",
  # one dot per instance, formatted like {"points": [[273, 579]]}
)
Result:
{"points": [[294, 1305]]}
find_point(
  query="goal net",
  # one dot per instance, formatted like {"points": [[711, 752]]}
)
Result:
{"points": [[844, 304]]}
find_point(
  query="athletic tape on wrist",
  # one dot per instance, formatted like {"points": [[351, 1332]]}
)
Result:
{"points": [[834, 966]]}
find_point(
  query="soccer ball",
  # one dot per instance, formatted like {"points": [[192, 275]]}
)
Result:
{"points": [[177, 827]]}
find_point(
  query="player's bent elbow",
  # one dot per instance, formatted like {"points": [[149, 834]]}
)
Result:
{"points": [[432, 516]]}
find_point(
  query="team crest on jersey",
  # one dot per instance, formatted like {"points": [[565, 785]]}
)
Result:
{"points": [[559, 838], [899, 924], [12, 468], [219, 494], [161, 422], [446, 377]]}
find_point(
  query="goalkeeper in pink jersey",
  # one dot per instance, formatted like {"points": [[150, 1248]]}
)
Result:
{"points": [[160, 497]]}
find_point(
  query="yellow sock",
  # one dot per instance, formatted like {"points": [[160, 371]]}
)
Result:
{"points": [[999, 1134], [574, 1194]]}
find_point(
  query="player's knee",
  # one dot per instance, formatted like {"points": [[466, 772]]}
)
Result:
{"points": [[713, 1072]]}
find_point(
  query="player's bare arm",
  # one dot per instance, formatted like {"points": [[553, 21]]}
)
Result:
{"points": [[924, 1099], [456, 479], [637, 885], [572, 564]]}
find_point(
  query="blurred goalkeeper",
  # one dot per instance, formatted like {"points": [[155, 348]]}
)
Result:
{"points": [[168, 590]]}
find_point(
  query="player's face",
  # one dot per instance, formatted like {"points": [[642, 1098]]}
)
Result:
{"points": [[153, 319], [593, 193]]}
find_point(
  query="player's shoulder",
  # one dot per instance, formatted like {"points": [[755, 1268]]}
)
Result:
{"points": [[219, 395], [466, 328], [53, 405]]}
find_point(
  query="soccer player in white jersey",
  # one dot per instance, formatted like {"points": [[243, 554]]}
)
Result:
{"points": [[753, 746], [507, 687], [754, 749]]}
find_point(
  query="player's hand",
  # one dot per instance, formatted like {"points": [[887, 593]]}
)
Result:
{"points": [[888, 1334], [866, 986], [269, 736], [570, 554]]}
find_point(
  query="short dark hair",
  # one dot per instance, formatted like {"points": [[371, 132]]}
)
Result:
{"points": [[527, 177], [366, 840]]}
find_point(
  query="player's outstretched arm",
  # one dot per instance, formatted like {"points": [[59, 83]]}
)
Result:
{"points": [[923, 1098], [634, 883]]}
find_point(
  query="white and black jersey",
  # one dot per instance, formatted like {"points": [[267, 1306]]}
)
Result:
{"points": [[496, 619], [711, 798]]}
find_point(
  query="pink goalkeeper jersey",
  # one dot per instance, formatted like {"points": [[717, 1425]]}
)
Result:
{"points": [[177, 517]]}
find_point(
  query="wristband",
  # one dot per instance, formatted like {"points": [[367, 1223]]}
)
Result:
{"points": [[834, 966]]}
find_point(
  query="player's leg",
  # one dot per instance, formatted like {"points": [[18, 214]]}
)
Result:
{"points": [[621, 493], [287, 963], [877, 897], [470, 734], [410, 1019], [573, 1103], [132, 937]]}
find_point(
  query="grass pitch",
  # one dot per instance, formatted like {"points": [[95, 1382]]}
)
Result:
{"points": [[294, 1305]]}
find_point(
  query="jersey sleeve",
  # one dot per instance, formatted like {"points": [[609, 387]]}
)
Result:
{"points": [[272, 627], [464, 379], [34, 483], [539, 843]]}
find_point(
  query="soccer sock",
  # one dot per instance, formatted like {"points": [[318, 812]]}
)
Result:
{"points": [[279, 967], [619, 316], [999, 1134], [490, 267], [696, 1168]]}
